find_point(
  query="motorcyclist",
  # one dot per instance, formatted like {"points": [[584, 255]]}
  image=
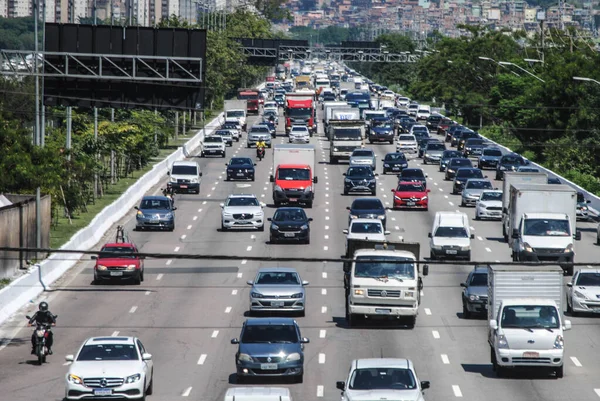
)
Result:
{"points": [[261, 144], [43, 315]]}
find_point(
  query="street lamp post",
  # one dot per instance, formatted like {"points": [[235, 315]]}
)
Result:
{"points": [[586, 80], [500, 64], [522, 69]]}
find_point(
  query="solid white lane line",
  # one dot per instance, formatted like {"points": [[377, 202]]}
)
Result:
{"points": [[133, 309], [479, 238], [186, 392], [327, 227], [488, 249], [446, 196], [249, 248], [160, 276], [189, 227], [233, 292], [244, 261], [327, 237], [321, 358], [326, 217], [445, 359], [436, 334], [228, 309], [576, 362], [324, 274], [169, 261], [323, 291], [451, 204], [176, 249], [597, 391], [115, 333], [323, 309], [456, 391], [239, 275], [202, 359], [322, 333], [427, 311], [319, 391], [183, 236], [215, 334], [195, 218], [325, 248]]}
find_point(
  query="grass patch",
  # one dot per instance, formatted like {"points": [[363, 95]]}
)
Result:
{"points": [[4, 282]]}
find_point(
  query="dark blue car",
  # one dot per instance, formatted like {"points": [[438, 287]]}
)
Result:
{"points": [[155, 212], [240, 168]]}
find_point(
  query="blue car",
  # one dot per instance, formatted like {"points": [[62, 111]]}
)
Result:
{"points": [[155, 212], [240, 168], [270, 347]]}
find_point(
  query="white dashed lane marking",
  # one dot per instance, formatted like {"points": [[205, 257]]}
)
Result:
{"points": [[321, 358], [195, 218], [189, 227], [456, 390], [324, 274], [445, 359], [427, 311], [576, 361], [436, 334], [249, 248], [244, 261], [322, 333], [115, 333], [479, 238], [323, 291], [202, 359], [233, 292], [169, 262], [176, 249], [160, 276], [488, 249], [228, 309], [215, 334], [186, 392], [239, 275], [325, 248], [323, 309], [183, 236], [133, 309], [451, 204], [319, 391]]}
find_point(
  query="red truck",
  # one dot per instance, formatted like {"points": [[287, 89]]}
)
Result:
{"points": [[251, 97], [294, 175], [300, 109], [112, 266]]}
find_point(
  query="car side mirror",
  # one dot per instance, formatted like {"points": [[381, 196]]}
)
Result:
{"points": [[472, 236], [200, 175], [429, 235], [68, 358], [310, 219], [429, 190], [250, 282], [173, 209], [305, 283], [340, 385], [222, 205], [146, 357], [136, 208], [227, 165], [235, 341], [505, 210], [28, 317], [94, 257], [493, 324], [382, 160], [464, 285], [255, 164], [588, 201], [425, 385], [485, 176], [263, 204], [426, 175], [345, 231], [577, 235], [344, 174], [168, 173], [304, 340], [269, 219], [567, 325], [426, 270], [316, 180], [271, 178], [515, 233], [347, 207], [570, 284], [387, 232]]}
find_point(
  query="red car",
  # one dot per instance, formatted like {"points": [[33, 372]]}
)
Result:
{"points": [[114, 267], [411, 195]]}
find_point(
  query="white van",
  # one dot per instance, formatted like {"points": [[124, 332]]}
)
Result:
{"points": [[450, 236], [184, 177], [423, 112], [258, 394]]}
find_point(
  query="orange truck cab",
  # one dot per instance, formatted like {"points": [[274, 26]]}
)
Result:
{"points": [[294, 174], [251, 97], [112, 266], [300, 109]]}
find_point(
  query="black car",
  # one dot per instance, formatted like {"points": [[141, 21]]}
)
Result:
{"points": [[381, 129], [290, 224], [473, 147], [279, 99], [433, 122], [413, 174], [422, 139], [455, 164], [406, 123], [240, 168], [464, 137], [367, 208], [456, 135], [509, 162], [489, 158], [360, 179], [447, 156], [452, 129], [394, 162], [461, 177], [329, 97]]}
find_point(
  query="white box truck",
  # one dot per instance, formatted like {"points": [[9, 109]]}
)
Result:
{"points": [[525, 314], [510, 178], [294, 174], [541, 220], [344, 137], [340, 113], [236, 109]]}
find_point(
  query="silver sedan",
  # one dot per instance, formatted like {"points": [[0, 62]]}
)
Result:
{"points": [[473, 189], [277, 289]]}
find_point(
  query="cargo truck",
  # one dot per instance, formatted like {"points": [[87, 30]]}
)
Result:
{"points": [[339, 113], [251, 96], [300, 109], [294, 174], [236, 109], [525, 315], [344, 137], [383, 280], [510, 178], [541, 220]]}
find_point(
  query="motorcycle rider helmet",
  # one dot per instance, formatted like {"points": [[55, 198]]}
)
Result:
{"points": [[43, 306]]}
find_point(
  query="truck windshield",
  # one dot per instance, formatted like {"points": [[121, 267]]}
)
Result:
{"points": [[451, 232], [530, 317], [347, 134], [547, 228], [382, 379], [380, 267], [235, 113], [184, 170], [299, 112], [248, 96], [294, 174]]}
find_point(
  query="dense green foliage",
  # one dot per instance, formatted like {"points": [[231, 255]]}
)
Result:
{"points": [[17, 33]]}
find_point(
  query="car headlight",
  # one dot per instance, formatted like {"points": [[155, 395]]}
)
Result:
{"points": [[168, 215], [409, 294], [569, 248], [133, 378], [526, 247], [465, 248], [256, 294], [359, 292], [244, 358], [450, 170], [348, 180], [502, 342], [131, 267], [424, 198], [426, 154], [277, 188], [293, 357], [335, 149], [297, 295], [385, 165], [584, 208], [458, 182], [101, 267], [230, 170], [353, 216], [308, 189], [474, 297], [140, 214], [74, 379], [194, 180], [274, 226], [404, 164], [304, 227], [559, 342], [381, 216], [578, 294]]}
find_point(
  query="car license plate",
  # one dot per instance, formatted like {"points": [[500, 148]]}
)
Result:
{"points": [[410, 203], [240, 174], [293, 200], [183, 186], [268, 366], [395, 168], [451, 251], [383, 311], [243, 222], [154, 221], [116, 274], [102, 391], [277, 304], [289, 235], [531, 354]]}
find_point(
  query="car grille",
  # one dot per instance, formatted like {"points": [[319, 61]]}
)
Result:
{"points": [[267, 359], [444, 247], [243, 216], [116, 267], [530, 361], [410, 199], [102, 382], [494, 208], [182, 181], [384, 293], [345, 148], [545, 250]]}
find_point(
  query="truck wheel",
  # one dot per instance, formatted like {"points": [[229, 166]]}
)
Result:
{"points": [[569, 271], [309, 204], [276, 203], [412, 322], [333, 160], [432, 255], [493, 360], [560, 372], [466, 313]]}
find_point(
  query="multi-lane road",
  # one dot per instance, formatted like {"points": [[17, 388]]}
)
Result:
{"points": [[187, 311]]}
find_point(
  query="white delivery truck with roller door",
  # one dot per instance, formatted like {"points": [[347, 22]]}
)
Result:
{"points": [[525, 314], [513, 177]]}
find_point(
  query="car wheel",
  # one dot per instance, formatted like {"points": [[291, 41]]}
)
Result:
{"points": [[424, 161], [223, 228], [299, 378], [466, 314], [252, 178], [142, 275], [569, 307], [248, 145], [150, 389], [345, 191], [261, 228], [172, 228], [497, 177], [223, 154], [309, 205], [462, 204], [477, 216], [138, 228], [95, 281], [374, 192], [560, 372], [137, 280]]}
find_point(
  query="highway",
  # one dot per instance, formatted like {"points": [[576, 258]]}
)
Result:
{"points": [[186, 312]]}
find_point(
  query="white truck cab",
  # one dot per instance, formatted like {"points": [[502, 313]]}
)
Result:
{"points": [[258, 394]]}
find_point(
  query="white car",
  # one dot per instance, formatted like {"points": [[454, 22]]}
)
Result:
{"points": [[402, 101], [489, 205], [382, 379], [110, 367], [407, 143], [270, 105], [299, 134], [369, 229], [418, 128], [583, 292], [213, 145], [242, 211], [412, 109]]}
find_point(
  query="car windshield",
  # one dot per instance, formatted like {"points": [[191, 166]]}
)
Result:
{"points": [[299, 129], [278, 278], [492, 152], [360, 172], [382, 379], [235, 113], [255, 334], [230, 126], [240, 161], [213, 139], [362, 153], [435, 146], [588, 279], [406, 138], [299, 112], [478, 184], [390, 157], [451, 232], [289, 215], [109, 251], [460, 162], [547, 228], [382, 124], [366, 228], [491, 196], [412, 173], [530, 317], [449, 154], [270, 113], [479, 280], [347, 134], [475, 173], [259, 130], [384, 267], [242, 201], [474, 142], [108, 352], [156, 204], [412, 187], [513, 160], [300, 174], [223, 133], [420, 129], [367, 204], [184, 170]]}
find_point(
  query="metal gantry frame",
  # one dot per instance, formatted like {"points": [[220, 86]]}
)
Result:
{"points": [[368, 55], [110, 67]]}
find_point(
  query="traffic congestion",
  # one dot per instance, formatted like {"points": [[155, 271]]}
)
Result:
{"points": [[323, 163]]}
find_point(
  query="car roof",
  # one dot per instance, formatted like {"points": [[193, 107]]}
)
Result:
{"points": [[412, 169], [185, 163], [293, 208], [118, 245], [110, 340], [366, 199], [410, 183], [363, 221], [242, 196], [154, 197], [369, 363], [278, 269], [284, 321]]}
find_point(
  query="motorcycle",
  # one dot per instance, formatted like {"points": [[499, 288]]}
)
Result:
{"points": [[169, 193], [42, 331], [260, 153]]}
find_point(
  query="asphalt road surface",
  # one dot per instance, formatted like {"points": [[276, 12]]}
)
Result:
{"points": [[187, 311]]}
